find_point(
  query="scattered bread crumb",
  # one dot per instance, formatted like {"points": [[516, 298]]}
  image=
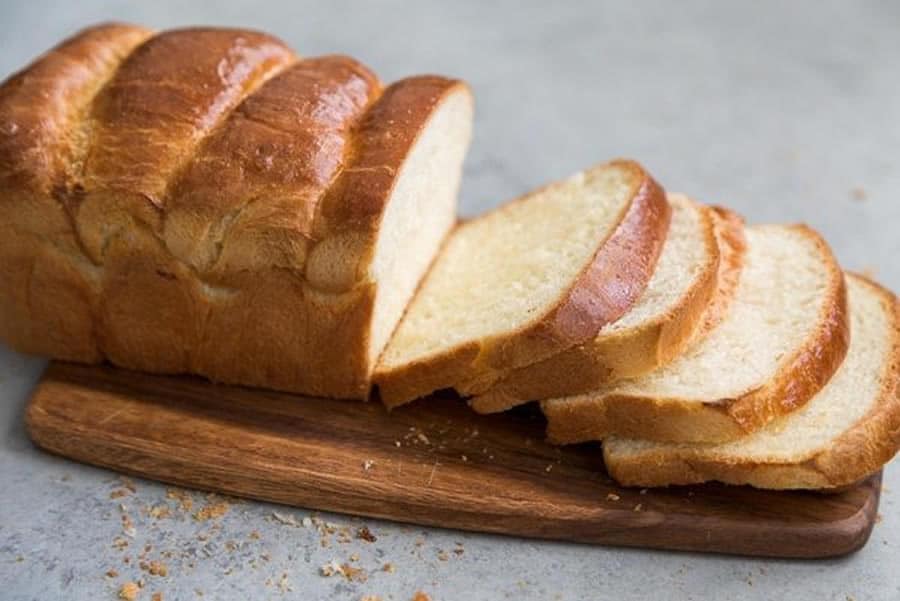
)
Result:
{"points": [[185, 502], [129, 591], [333, 568], [365, 534], [878, 518], [420, 596], [464, 458], [638, 507], [388, 567], [548, 468], [157, 568], [159, 512], [157, 597], [128, 526], [284, 585], [643, 491], [612, 497], [397, 443], [370, 598], [442, 555], [212, 511], [286, 519], [431, 475], [353, 574], [368, 464], [119, 492], [330, 569], [255, 535], [112, 574]]}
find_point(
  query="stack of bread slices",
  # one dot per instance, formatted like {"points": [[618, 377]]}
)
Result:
{"points": [[694, 346]]}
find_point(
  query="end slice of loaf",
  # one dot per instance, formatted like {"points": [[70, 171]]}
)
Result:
{"points": [[702, 251], [846, 432], [783, 336], [532, 278]]}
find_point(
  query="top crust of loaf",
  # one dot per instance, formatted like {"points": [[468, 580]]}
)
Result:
{"points": [[644, 415], [636, 349], [606, 287], [169, 214], [858, 451]]}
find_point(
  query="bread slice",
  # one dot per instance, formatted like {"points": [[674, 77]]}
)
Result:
{"points": [[783, 336], [528, 280], [702, 250], [846, 432]]}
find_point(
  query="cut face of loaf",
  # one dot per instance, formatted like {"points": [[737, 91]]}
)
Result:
{"points": [[204, 201], [702, 252], [532, 278], [783, 336], [846, 432]]}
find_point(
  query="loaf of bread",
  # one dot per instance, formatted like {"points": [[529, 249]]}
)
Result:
{"points": [[204, 201]]}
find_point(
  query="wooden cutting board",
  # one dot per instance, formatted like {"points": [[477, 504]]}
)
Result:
{"points": [[433, 462]]}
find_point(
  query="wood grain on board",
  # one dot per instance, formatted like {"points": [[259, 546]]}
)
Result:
{"points": [[433, 462]]}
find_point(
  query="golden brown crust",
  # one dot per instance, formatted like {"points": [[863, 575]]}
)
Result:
{"points": [[606, 288], [276, 164], [858, 452], [48, 292], [628, 353], [811, 366], [730, 238], [191, 221], [719, 420], [41, 105], [322, 335], [875, 438]]}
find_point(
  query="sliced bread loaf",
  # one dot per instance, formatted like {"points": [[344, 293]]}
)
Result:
{"points": [[528, 280], [780, 340], [846, 432], [702, 251]]}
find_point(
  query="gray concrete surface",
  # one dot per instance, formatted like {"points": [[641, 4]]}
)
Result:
{"points": [[786, 111]]}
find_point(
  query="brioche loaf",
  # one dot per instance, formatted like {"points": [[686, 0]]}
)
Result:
{"points": [[534, 277], [204, 201], [844, 433], [697, 267], [784, 334]]}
